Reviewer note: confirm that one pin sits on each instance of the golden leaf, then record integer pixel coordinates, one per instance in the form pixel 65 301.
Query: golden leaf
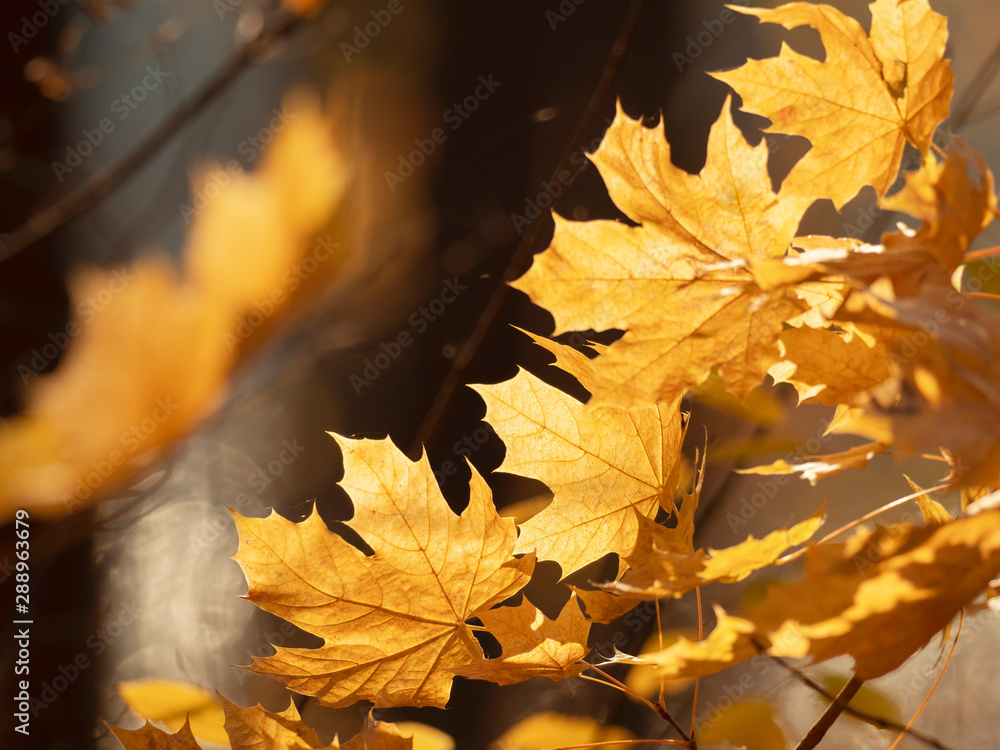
pixel 607 467
pixel 256 728
pixel 818 467
pixel 149 737
pixel 671 573
pixel 679 284
pixel 533 645
pixel 879 597
pixel 730 642
pixel 859 105
pixel 379 735
pixel 176 704
pixel 393 624
pixel 829 367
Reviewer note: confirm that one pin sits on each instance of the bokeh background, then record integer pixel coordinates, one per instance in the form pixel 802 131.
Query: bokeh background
pixel 142 584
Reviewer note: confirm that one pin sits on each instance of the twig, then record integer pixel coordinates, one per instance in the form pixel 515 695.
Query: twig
pixel 697 681
pixel 662 712
pixel 465 357
pixel 878 721
pixel 77 201
pixel 835 709
pixel 858 521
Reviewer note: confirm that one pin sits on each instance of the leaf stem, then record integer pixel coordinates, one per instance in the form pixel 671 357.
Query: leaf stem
pixel 697 682
pixel 934 687
pixel 662 712
pixel 659 643
pixel 986 252
pixel 985 295
pixel 835 709
pixel 866 517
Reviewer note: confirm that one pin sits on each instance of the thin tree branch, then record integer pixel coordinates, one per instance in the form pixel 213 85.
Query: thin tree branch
pixel 662 712
pixel 834 710
pixel 79 200
pixel 486 321
pixel 878 721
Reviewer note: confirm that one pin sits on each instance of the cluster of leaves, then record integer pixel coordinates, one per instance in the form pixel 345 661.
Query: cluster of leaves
pixel 708 280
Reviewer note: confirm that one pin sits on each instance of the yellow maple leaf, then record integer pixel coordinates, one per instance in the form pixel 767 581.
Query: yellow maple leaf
pixel 946 364
pixel 729 642
pixel 830 367
pixel 607 467
pixel 176 704
pixel 954 209
pixel 678 284
pixel 818 467
pixel 256 728
pixel 879 597
pixel 533 645
pixel 380 735
pixel 148 737
pixel 393 624
pixel 859 105
pixel 673 573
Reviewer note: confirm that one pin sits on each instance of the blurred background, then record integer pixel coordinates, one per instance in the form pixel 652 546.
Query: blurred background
pixel 141 584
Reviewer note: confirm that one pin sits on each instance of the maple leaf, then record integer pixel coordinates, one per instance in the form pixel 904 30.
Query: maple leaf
pixel 149 737
pixel 393 624
pixel 729 642
pixel 533 645
pixel 256 728
pixel 830 367
pixel 175 704
pixel 818 467
pixel 878 597
pixel 954 209
pixel 678 284
pixel 605 604
pixel 379 735
pixel 858 106
pixel 949 401
pixel 174 337
pixel 607 467
pixel 673 573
